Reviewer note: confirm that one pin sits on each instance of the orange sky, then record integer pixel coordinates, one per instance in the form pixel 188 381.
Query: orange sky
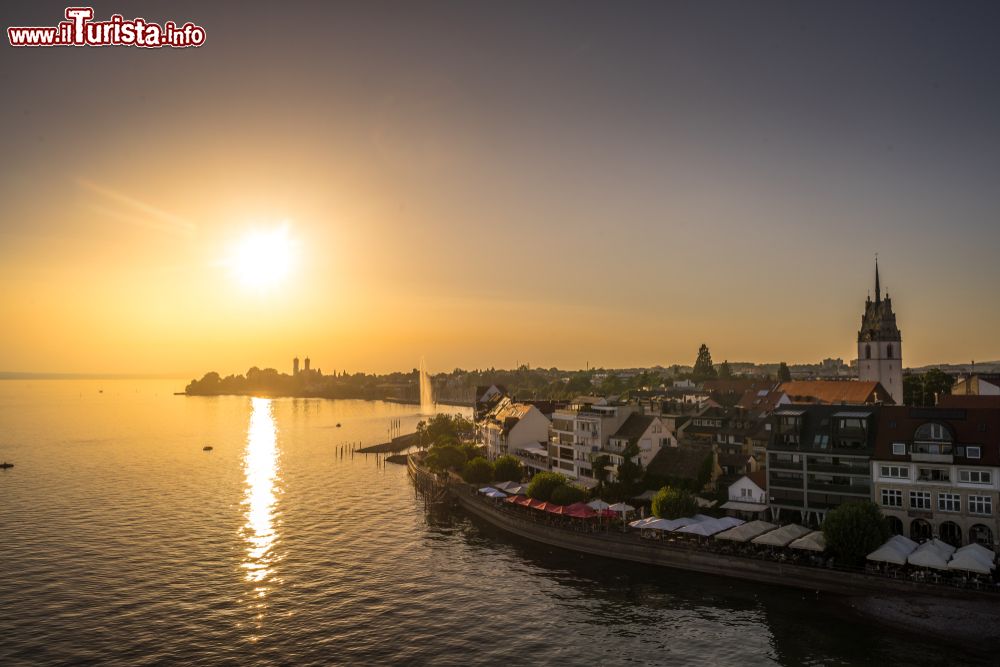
pixel 478 211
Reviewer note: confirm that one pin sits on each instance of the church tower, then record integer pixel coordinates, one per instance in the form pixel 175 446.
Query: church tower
pixel 880 347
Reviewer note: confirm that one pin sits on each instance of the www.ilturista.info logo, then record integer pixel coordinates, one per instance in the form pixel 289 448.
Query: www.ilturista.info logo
pixel 79 30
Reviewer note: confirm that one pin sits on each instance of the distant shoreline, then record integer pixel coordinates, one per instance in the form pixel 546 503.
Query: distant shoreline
pixel 402 401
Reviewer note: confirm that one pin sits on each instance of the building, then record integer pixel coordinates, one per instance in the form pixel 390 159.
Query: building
pixel 977 385
pixel 835 392
pixel 819 457
pixel 295 366
pixel 748 496
pixel 510 425
pixel 580 431
pixel 647 434
pixel 937 473
pixel 880 348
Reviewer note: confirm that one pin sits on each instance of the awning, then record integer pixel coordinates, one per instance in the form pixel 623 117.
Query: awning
pixel 743 507
pixel 894 551
pixel 973 558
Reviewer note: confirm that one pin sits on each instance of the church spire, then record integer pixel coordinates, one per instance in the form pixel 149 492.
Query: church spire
pixel 878 288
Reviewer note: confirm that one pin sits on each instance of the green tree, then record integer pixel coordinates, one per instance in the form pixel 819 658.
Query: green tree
pixel 937 383
pixel 445 457
pixel 600 466
pixel 725 371
pixel 784 374
pixel 703 368
pixel 567 494
pixel 478 471
pixel 671 503
pixel 630 471
pixel 854 530
pixel 543 484
pixel 508 468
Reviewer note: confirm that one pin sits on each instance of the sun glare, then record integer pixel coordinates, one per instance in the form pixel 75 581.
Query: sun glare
pixel 262 259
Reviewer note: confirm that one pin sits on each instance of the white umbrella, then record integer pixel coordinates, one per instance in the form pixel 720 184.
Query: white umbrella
pixel 487 490
pixel 621 507
pixel 517 490
pixel 782 536
pixel 639 523
pixel 746 532
pixel 703 528
pixel 503 486
pixel 814 541
pixel 981 552
pixel 929 554
pixel 893 551
pixel 598 505
pixel 970 561
pixel 496 494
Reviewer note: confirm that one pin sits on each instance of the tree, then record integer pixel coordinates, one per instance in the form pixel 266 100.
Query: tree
pixel 937 383
pixel 478 471
pixel 725 371
pixel 567 494
pixel 629 471
pixel 854 530
pixel 444 457
pixel 784 374
pixel 703 368
pixel 543 484
pixel 508 468
pixel 600 467
pixel 671 503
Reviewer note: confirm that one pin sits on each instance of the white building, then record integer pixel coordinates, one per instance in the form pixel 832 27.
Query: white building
pixel 748 495
pixel 580 431
pixel 509 426
pixel 647 433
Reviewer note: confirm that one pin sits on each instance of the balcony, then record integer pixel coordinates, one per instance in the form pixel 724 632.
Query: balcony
pixel 856 471
pixel 843 489
pixel 931 452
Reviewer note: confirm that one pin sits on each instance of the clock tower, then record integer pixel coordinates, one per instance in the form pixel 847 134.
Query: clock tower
pixel 880 347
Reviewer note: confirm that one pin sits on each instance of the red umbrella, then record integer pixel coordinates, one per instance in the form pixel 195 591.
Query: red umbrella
pixel 536 504
pixel 513 499
pixel 525 500
pixel 555 509
pixel 582 513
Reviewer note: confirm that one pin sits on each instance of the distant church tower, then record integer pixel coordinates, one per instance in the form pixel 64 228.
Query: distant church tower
pixel 880 347
pixel 295 366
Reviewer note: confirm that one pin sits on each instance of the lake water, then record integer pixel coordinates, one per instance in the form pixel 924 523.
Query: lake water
pixel 121 541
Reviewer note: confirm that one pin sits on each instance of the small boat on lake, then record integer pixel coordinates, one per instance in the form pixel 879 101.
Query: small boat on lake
pixel 5 465
pixel 207 448
pixel 338 424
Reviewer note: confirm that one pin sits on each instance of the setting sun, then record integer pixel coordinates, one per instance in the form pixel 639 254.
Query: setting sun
pixel 262 259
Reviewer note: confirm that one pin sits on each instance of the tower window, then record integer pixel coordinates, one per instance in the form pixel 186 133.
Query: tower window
pixel 888 351
pixel 868 351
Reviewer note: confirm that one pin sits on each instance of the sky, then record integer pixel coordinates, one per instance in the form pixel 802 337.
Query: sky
pixel 491 184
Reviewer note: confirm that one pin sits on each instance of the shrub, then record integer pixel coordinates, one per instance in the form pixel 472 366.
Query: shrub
pixel 567 494
pixel 543 484
pixel 671 503
pixel 508 468
pixel 854 530
pixel 478 471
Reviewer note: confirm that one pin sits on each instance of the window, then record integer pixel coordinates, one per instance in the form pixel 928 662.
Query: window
pixel 821 441
pixel 981 505
pixel 888 351
pixel 933 475
pixel 896 472
pixel 746 493
pixel 868 351
pixel 972 452
pixel 949 502
pixel 892 498
pixel 899 449
pixel 975 476
pixel 920 500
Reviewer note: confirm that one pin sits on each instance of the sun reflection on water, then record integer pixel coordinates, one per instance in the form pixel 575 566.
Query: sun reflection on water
pixel 260 466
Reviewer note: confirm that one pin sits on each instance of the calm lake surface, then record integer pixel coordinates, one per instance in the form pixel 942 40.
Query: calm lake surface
pixel 123 542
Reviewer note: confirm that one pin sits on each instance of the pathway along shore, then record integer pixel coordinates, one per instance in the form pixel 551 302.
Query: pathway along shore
pixel 629 546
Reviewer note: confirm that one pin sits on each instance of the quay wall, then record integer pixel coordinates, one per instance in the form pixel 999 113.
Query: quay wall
pixel 654 552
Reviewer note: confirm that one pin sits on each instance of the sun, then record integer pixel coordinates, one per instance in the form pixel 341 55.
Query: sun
pixel 262 259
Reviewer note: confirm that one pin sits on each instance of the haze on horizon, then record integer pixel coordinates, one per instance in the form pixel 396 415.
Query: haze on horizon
pixel 486 185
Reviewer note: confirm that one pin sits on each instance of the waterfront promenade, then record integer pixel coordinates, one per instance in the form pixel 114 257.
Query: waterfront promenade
pixel 685 554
